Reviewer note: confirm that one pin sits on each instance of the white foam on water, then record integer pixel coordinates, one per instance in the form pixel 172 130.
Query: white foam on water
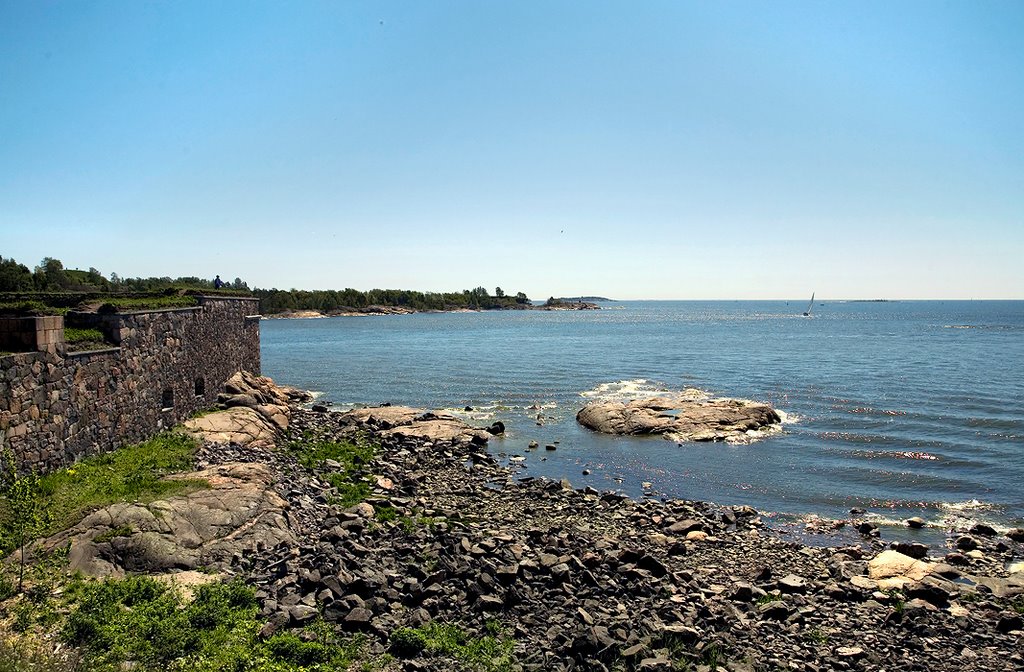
pixel 479 413
pixel 969 505
pixel 789 418
pixel 752 435
pixel 954 516
pixel 962 516
pixel 637 388
pixel 885 521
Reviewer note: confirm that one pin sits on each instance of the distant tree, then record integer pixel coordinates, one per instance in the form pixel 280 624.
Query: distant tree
pixel 522 298
pixel 50 275
pixel 14 277
pixel 499 293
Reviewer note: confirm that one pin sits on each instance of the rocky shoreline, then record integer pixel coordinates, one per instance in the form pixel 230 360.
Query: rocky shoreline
pixel 580 579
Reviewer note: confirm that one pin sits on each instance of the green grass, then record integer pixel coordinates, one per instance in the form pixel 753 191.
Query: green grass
pixel 22 655
pixel 114 532
pixel 769 597
pixel 487 653
pixel 29 308
pixel 411 523
pixel 130 474
pixel 127 304
pixel 76 335
pixel 312 452
pixel 816 636
pixel 146 624
pixel 84 339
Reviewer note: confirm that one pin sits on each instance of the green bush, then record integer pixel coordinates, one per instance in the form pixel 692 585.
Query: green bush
pixel 140 622
pixel 487 653
pixel 288 648
pixel 408 642
pixel 140 619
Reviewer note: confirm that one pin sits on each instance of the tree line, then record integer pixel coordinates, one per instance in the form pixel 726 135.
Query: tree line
pixel 278 301
pixel 51 276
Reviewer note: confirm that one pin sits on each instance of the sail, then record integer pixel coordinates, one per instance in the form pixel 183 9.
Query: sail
pixel 810 305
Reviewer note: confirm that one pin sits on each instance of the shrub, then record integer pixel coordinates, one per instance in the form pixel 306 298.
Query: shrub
pixel 488 653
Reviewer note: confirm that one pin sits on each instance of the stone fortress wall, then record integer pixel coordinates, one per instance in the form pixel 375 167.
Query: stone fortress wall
pixel 58 406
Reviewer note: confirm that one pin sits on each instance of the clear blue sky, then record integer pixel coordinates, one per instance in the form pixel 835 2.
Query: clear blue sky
pixel 629 149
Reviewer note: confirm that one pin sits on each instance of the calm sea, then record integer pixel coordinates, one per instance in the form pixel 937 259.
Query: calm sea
pixel 901 408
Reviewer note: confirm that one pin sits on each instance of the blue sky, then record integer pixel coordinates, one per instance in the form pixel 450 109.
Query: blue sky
pixel 629 149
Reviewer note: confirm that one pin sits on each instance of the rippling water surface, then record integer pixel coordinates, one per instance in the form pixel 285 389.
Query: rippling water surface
pixel 903 408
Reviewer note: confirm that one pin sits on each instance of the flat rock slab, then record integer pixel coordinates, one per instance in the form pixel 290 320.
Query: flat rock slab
pixel 241 425
pixel 238 511
pixel 688 416
pixel 413 423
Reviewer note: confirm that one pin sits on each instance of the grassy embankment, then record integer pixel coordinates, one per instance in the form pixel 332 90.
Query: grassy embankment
pixel 64 623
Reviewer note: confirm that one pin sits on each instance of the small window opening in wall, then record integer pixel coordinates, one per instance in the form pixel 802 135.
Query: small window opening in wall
pixel 200 387
pixel 167 400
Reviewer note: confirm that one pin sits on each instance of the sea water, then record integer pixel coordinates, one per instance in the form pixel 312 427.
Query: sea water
pixel 900 408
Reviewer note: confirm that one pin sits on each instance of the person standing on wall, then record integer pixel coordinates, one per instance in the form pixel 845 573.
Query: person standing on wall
pixel 218 283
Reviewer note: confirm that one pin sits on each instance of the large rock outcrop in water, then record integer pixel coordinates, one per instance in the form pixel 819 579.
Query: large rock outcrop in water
pixel 689 416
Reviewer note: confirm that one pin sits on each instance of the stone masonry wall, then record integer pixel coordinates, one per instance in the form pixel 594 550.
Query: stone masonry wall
pixel 57 407
pixel 31 333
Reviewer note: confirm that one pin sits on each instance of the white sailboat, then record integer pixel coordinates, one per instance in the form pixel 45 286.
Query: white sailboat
pixel 807 313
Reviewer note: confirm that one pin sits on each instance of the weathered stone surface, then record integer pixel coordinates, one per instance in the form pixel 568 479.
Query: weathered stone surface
pixel 412 423
pixel 236 513
pixel 688 416
pixel 893 564
pixel 239 425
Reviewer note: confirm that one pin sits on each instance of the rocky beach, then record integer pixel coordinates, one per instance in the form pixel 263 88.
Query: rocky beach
pixel 574 579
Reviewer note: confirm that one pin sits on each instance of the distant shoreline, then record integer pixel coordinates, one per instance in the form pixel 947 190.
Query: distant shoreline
pixel 370 311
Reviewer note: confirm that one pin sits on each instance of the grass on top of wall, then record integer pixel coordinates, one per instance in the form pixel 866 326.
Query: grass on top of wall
pixel 129 474
pixel 128 304
pixel 29 308
pixel 84 339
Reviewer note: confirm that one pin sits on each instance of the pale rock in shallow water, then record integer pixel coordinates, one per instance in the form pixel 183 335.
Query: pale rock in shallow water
pixel 688 416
